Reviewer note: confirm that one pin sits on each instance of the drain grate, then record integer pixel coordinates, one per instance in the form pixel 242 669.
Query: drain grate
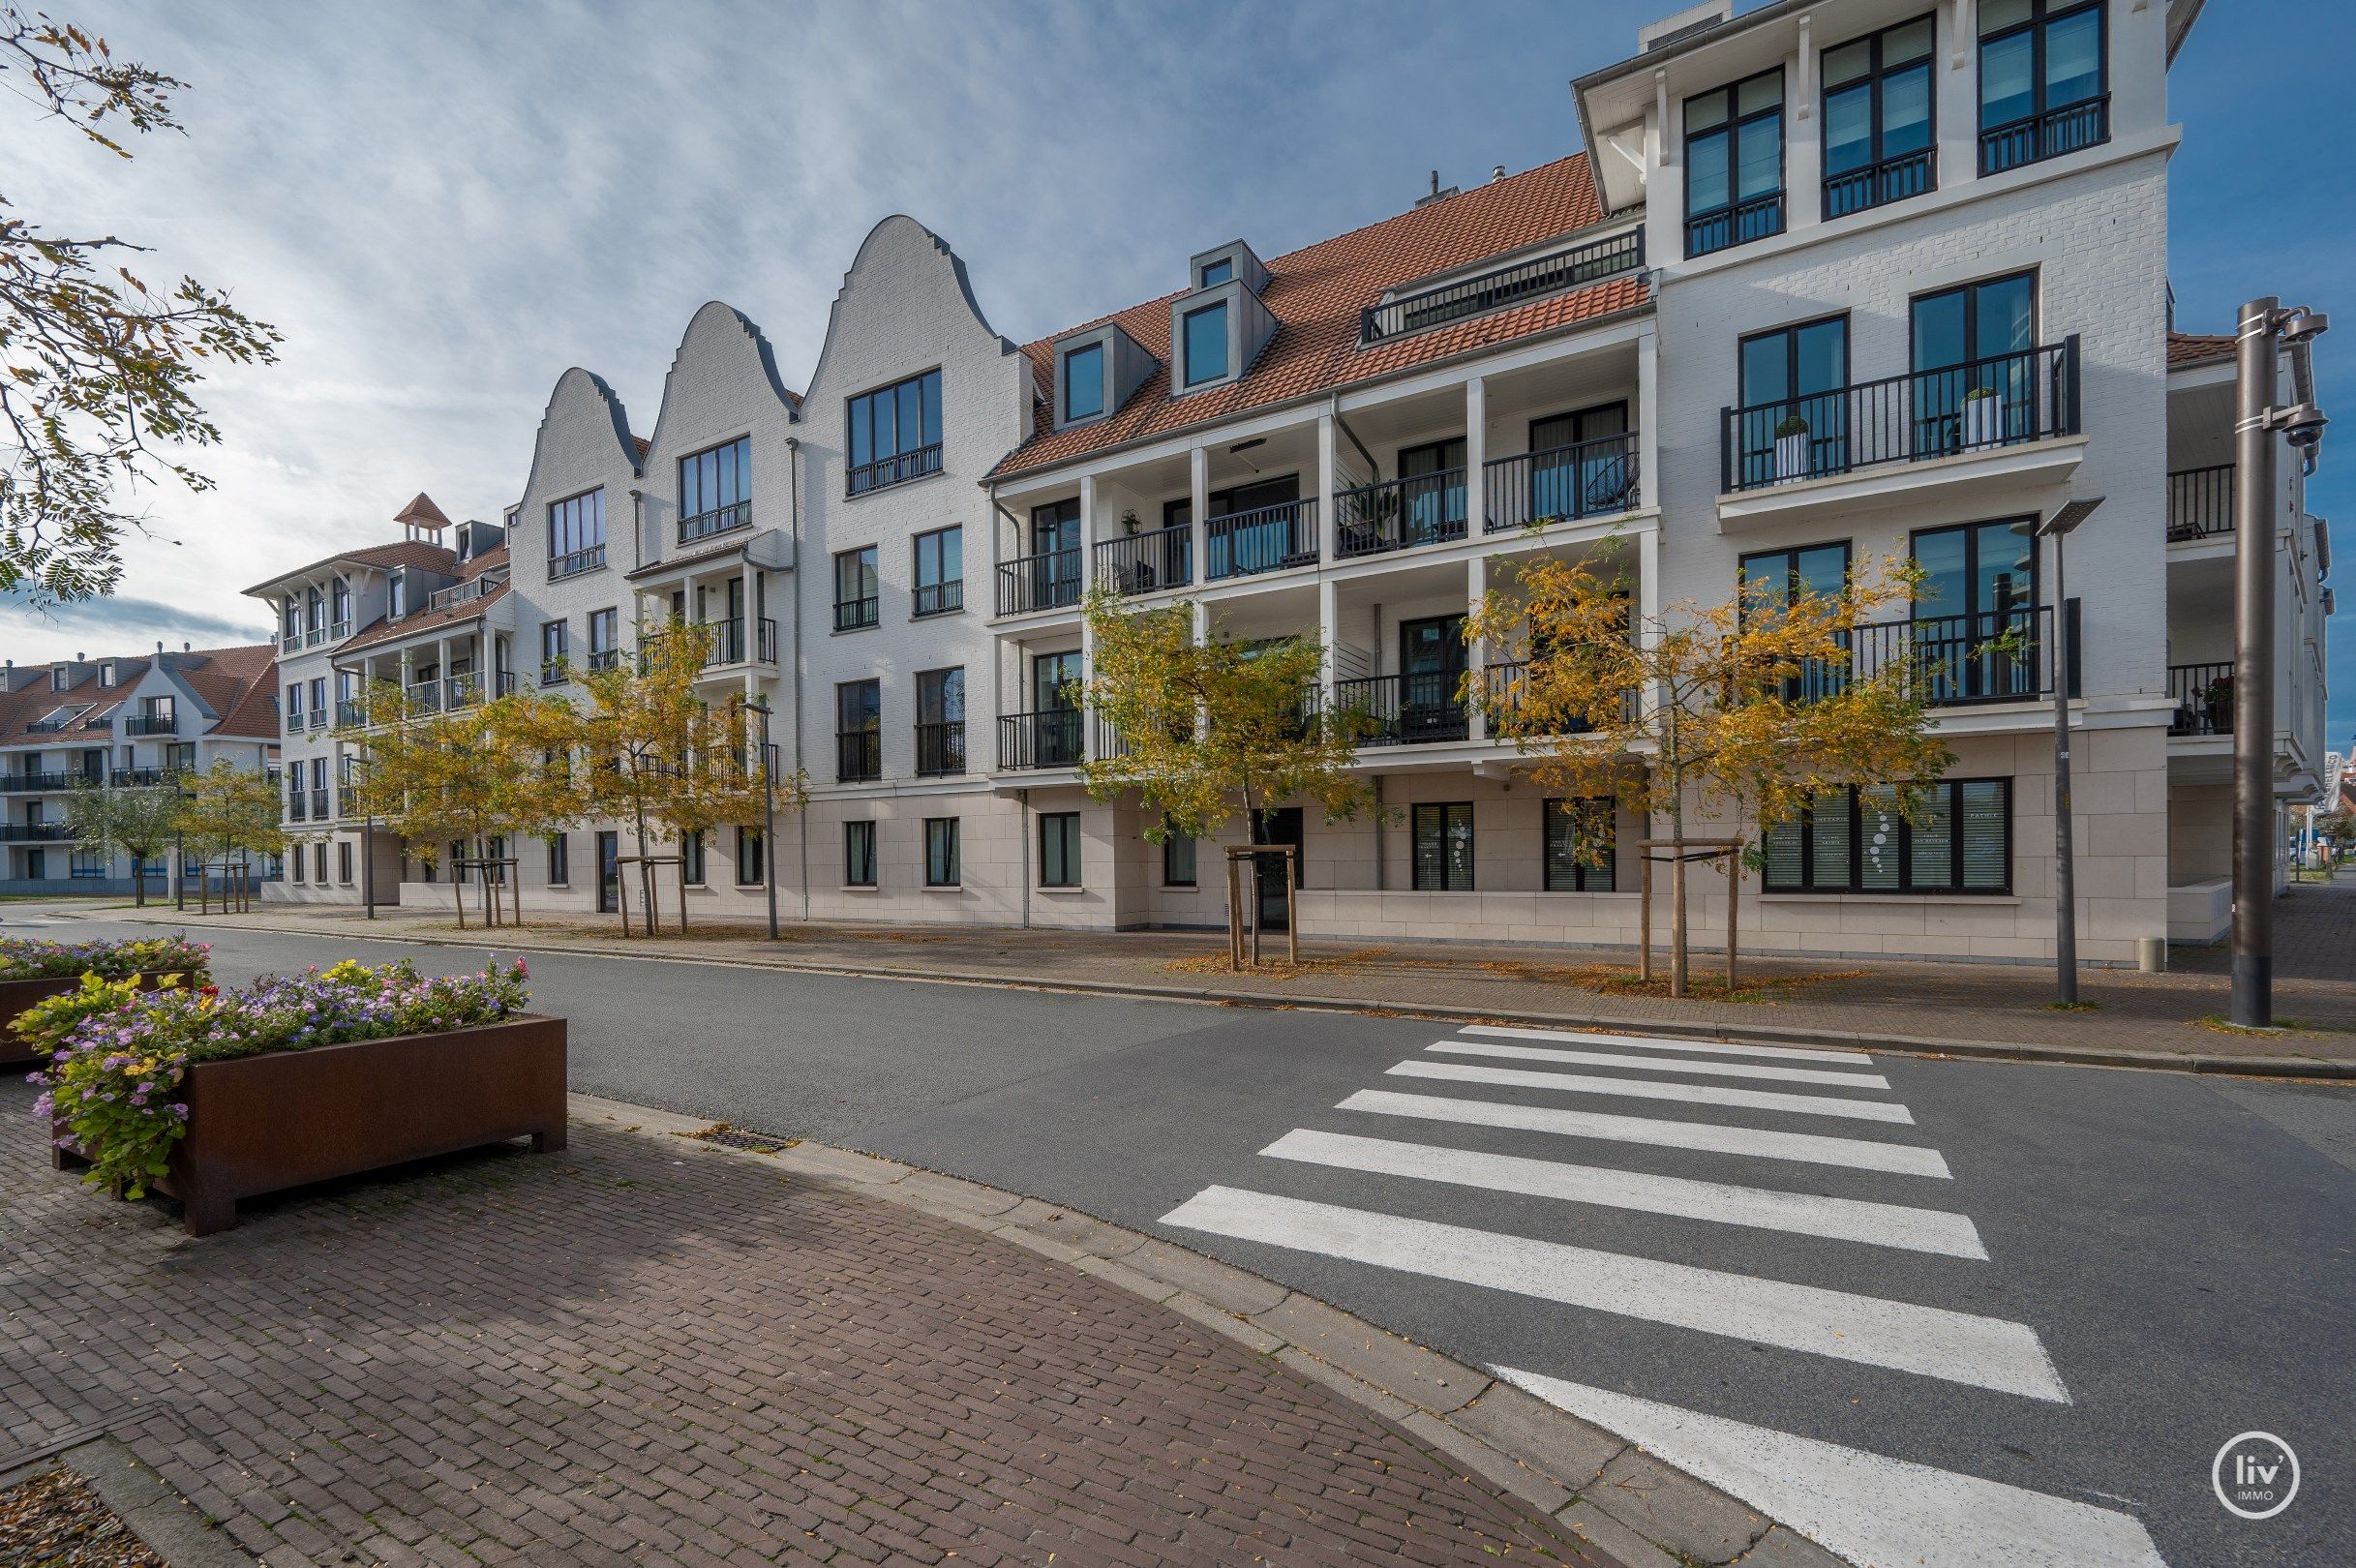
pixel 746 1137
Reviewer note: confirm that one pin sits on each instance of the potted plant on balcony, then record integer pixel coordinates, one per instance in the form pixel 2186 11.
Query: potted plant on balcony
pixel 2216 704
pixel 1984 417
pixel 1791 449
pixel 1128 521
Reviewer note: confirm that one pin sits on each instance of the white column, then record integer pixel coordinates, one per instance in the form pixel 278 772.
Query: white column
pixel 748 628
pixel 1329 505
pixel 1198 480
pixel 1476 453
pixel 1648 600
pixel 1649 416
pixel 1088 746
pixel 1957 99
pixel 1804 157
pixel 1664 181
pixel 1329 635
pixel 1476 653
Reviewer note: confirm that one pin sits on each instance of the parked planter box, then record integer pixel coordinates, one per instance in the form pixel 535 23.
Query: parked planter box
pixel 17 995
pixel 263 1123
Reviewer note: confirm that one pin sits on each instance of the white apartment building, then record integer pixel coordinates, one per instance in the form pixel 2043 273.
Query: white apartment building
pixel 1836 282
pixel 118 721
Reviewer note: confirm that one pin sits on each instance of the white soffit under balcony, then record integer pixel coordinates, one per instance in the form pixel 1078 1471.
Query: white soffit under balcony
pixel 2003 472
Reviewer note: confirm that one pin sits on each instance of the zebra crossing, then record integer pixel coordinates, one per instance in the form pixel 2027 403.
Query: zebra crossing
pixel 1567 1117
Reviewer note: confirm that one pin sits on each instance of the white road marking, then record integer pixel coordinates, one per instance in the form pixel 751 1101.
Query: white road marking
pixel 1664 1043
pixel 1660 1063
pixel 1880 1225
pixel 1692 1094
pixel 1931 1342
pixel 1809 1148
pixel 1864 1506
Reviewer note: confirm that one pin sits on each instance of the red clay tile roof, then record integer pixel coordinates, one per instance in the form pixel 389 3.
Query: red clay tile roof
pixel 452 615
pixel 423 510
pixel 493 557
pixel 1316 295
pixel 399 553
pixel 2188 348
pixel 229 680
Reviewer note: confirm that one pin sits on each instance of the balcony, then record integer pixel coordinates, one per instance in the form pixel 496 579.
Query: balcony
pixel 128 778
pixel 1987 421
pixel 350 712
pixel 41 781
pixel 151 724
pixel 2051 135
pixel 2203 694
pixel 1561 484
pixel 1759 217
pixel 1990 656
pixel 290 643
pixel 32 832
pixel 314 636
pixel 1503 286
pixel 1147 562
pixel 859 756
pixel 728 643
pixel 719 520
pixel 465 592
pixel 1264 539
pixel 426 696
pixel 1405 710
pixel 1048 739
pixel 1877 185
pixel 1504 684
pixel 340 630
pixel 941 749
pixel 295 806
pixel 884 472
pixel 1045 582
pixel 319 806
pixel 576 563
pixel 1400 514
pixel 2200 503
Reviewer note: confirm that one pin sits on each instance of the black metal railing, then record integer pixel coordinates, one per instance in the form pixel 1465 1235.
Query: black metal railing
pixel 123 779
pixel 719 520
pixel 858 755
pixel 462 691
pixel 340 629
pixel 290 642
pixel 350 712
pixel 32 832
pixel 2051 135
pixel 1405 709
pixel 318 718
pixel 54 726
pixel 2203 694
pixel 151 724
pixel 604 658
pixel 937 598
pixel 1400 514
pixel 39 781
pixel 851 615
pixel 456 593
pixel 2200 502
pixel 1048 739
pixel 1990 656
pixel 1503 685
pixel 1043 582
pixel 576 563
pixel 1876 184
pixel 1264 539
pixel 294 805
pixel 1562 483
pixel 893 470
pixel 1147 562
pixel 426 694
pixel 1756 219
pixel 319 806
pixel 941 749
pixel 1500 286
pixel 1979 406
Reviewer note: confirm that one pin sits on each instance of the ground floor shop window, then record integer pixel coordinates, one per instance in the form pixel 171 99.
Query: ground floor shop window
pixel 1860 840
pixel 1444 846
pixel 1581 847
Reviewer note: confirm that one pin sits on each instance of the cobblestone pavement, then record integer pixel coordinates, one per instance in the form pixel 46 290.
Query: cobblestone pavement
pixel 2315 944
pixel 636 1352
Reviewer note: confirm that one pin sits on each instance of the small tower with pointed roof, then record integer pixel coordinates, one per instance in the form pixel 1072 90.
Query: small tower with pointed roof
pixel 421 520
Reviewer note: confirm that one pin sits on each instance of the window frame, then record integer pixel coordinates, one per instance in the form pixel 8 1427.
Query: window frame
pixel 879 470
pixel 1190 381
pixel 937 832
pixel 553 668
pixel 749 845
pixel 559 860
pixel 2042 15
pixel 1193 861
pixel 739 512
pixel 1877 73
pixel 1584 878
pixel 1732 126
pixel 869 731
pixel 694 859
pixel 1906 886
pixel 569 519
pixel 860 854
pixel 1070 844
pixel 1063 382
pixel 866 611
pixel 1444 812
pixel 947 593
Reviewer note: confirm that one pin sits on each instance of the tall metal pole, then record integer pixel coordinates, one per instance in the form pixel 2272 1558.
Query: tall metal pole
pixel 2253 509
pixel 2065 863
pixel 769 819
pixel 368 863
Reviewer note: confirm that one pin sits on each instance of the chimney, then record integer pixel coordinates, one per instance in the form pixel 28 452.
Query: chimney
pixel 1437 195
pixel 1498 174
pixel 186 647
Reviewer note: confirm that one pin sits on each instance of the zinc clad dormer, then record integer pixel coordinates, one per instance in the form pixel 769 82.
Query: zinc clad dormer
pixel 1219 326
pixel 1096 371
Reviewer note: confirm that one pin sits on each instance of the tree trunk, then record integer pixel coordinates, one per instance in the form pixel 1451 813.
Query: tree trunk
pixel 1734 909
pixel 1677 913
pixel 138 882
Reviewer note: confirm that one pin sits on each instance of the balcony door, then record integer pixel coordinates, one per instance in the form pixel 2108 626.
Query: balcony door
pixel 1431 492
pixel 1280 826
pixel 1431 671
pixel 1796 380
pixel 1771 579
pixel 1974 363
pixel 1571 474
pixel 1976 618
pixel 1052 677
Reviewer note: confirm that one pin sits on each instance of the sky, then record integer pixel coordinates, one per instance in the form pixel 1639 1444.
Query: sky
pixel 443 206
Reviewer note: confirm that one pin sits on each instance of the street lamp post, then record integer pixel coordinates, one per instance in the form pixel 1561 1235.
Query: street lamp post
pixel 2258 420
pixel 2057 527
pixel 768 816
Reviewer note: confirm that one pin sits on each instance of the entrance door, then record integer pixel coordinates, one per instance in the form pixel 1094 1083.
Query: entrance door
pixel 609 872
pixel 1431 669
pixel 1282 826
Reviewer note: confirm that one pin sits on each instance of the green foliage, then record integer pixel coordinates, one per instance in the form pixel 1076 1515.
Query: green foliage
pixel 138 821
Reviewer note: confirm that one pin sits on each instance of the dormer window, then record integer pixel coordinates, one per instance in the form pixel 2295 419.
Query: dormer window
pixel 105 674
pixel 1218 328
pixel 1206 345
pixel 1083 382
pixel 1215 273
pixel 1096 372
pixel 397 595
pixel 1733 163
pixel 57 678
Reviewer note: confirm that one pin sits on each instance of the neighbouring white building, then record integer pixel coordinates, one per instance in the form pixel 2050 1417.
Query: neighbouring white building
pixel 1836 282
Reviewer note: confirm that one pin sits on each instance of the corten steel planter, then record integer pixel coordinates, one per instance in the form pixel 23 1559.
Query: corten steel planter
pixel 263 1123
pixel 17 995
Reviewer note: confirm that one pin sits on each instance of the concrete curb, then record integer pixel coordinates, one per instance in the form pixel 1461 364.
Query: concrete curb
pixel 1734 1034
pixel 161 1519
pixel 1599 1487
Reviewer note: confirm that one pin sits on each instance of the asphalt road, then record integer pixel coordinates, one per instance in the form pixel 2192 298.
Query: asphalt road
pixel 1956 1311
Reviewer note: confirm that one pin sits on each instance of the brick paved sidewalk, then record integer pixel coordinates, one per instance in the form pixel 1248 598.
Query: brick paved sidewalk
pixel 637 1352
pixel 1924 1002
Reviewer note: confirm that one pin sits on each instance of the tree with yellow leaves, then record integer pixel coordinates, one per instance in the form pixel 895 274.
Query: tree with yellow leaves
pixel 1204 729
pixel 1743 711
pixel 227 811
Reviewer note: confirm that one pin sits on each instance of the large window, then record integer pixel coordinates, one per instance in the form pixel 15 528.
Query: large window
pixel 715 490
pixel 1977 627
pixel 1206 344
pixel 1444 846
pixel 859 853
pixel 896 434
pixel 943 867
pixel 576 534
pixel 1084 382
pixel 1860 840
pixel 858 590
pixel 859 730
pixel 1778 576
pixel 1978 375
pixel 554 642
pixel 1734 164
pixel 939 722
pixel 1059 849
pixel 940 580
pixel 1794 418
pixel 604 638
pixel 1879 145
pixel 2041 80
pixel 1580 846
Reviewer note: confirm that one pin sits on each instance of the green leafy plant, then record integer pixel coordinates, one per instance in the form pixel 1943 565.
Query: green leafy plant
pixel 1791 425
pixel 24 959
